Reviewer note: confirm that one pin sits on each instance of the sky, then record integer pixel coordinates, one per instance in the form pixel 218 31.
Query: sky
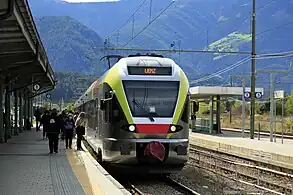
pixel 89 1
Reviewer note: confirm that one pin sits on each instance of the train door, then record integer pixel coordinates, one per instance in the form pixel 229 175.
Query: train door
pixel 101 111
pixel 96 118
pixel 105 113
pixel 108 112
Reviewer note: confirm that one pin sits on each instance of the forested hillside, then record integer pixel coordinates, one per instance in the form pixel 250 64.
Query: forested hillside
pixel 71 45
pixel 71 85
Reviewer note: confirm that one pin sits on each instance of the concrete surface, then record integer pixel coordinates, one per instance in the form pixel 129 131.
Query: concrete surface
pixel 263 150
pixel 27 168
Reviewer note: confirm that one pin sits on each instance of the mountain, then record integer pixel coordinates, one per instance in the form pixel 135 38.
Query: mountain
pixel 71 85
pixel 71 45
pixel 74 52
pixel 192 24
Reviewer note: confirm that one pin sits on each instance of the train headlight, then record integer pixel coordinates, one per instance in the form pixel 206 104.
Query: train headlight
pixel 131 128
pixel 173 128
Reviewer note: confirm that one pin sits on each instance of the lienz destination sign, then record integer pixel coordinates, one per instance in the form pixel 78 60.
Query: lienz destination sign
pixel 167 71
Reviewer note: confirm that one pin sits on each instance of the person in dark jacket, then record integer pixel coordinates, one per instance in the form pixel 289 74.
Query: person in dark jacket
pixel 38 118
pixel 62 117
pixel 53 131
pixel 69 126
pixel 45 122
pixel 80 124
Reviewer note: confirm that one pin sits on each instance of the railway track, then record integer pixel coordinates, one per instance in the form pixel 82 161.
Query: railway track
pixel 246 172
pixel 262 133
pixel 167 186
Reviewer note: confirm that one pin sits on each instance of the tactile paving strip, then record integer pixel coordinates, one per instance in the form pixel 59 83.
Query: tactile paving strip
pixel 63 178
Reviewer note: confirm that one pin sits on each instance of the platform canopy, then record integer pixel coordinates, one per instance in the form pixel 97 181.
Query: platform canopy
pixel 208 91
pixel 24 62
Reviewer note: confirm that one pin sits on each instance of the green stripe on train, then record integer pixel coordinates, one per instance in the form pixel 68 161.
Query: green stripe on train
pixel 113 79
pixel 183 90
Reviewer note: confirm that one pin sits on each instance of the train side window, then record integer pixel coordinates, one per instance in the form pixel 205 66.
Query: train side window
pixel 102 105
pixel 107 107
pixel 115 111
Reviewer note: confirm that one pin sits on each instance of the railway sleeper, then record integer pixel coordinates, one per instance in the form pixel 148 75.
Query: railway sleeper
pixel 252 179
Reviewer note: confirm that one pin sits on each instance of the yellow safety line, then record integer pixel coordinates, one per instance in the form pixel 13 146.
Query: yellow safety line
pixel 81 174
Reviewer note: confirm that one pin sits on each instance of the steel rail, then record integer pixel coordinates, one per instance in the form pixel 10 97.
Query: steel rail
pixel 180 186
pixel 244 165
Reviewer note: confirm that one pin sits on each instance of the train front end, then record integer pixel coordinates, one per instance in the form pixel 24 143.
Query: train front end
pixel 156 110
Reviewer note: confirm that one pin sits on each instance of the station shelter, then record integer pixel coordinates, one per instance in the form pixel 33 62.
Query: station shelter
pixel 213 95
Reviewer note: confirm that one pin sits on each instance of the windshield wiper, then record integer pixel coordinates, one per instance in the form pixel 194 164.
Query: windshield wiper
pixel 139 106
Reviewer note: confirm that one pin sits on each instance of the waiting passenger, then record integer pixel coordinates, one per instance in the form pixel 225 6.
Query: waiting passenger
pixel 38 118
pixel 69 129
pixel 62 117
pixel 45 122
pixel 54 131
pixel 75 116
pixel 80 129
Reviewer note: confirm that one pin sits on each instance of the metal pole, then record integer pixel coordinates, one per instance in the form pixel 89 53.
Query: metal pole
pixel 211 114
pixel 258 133
pixel 283 121
pixel 271 105
pixel 243 106
pixel 275 119
pixel 230 112
pixel 252 83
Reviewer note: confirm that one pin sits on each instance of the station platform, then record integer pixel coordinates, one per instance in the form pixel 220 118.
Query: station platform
pixel 27 168
pixel 274 153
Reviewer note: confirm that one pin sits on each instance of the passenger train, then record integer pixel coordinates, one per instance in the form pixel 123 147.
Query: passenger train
pixel 138 114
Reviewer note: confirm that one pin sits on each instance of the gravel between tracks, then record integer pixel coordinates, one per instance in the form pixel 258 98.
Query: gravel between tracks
pixel 205 182
pixel 155 187
pixel 195 178
pixel 249 174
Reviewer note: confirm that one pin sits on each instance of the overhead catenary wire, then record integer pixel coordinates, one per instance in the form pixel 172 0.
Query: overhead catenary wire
pixel 152 21
pixel 263 6
pixel 128 20
pixel 235 65
pixel 180 51
pixel 231 67
pixel 271 29
pixel 284 54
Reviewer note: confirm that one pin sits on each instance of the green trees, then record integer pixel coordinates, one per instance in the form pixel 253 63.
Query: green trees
pixel 70 107
pixel 289 104
pixel 71 85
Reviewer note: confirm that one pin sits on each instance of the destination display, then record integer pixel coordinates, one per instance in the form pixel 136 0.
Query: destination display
pixel 149 70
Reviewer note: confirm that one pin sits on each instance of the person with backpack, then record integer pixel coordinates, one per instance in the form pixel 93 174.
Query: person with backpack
pixel 63 117
pixel 69 126
pixel 45 122
pixel 53 131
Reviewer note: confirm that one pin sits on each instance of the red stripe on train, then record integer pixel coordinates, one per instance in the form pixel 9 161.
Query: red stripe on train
pixel 152 128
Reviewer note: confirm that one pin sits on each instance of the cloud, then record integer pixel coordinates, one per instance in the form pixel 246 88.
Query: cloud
pixel 89 1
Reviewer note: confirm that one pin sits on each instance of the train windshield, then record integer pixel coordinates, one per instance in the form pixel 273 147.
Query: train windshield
pixel 151 98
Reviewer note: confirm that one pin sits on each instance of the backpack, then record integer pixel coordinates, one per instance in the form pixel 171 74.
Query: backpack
pixel 53 124
pixel 69 125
